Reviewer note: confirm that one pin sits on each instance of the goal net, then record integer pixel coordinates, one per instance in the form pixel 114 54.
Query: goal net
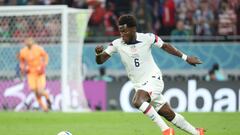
pixel 60 31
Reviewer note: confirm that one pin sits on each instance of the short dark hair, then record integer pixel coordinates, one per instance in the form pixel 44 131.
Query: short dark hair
pixel 127 19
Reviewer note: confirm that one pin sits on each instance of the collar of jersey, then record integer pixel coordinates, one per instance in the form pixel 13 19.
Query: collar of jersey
pixel 133 43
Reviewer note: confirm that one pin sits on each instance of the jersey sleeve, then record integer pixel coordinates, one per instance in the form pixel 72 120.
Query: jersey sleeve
pixel 156 40
pixel 111 49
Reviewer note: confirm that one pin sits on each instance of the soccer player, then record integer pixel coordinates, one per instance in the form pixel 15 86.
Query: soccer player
pixel 135 52
pixel 33 61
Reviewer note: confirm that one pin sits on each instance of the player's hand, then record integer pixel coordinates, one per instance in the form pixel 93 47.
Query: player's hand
pixel 25 70
pixel 22 72
pixel 99 49
pixel 192 60
pixel 41 69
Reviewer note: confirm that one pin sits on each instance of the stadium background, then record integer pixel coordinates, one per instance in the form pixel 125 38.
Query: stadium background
pixel 188 89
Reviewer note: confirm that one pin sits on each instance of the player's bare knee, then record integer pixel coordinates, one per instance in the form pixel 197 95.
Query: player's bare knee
pixel 139 98
pixel 37 94
pixel 137 102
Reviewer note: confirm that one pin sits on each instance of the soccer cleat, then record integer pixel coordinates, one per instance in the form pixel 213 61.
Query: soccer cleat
pixel 169 131
pixel 201 131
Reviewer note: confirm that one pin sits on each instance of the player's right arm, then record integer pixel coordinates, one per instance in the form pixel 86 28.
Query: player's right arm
pixel 22 63
pixel 101 55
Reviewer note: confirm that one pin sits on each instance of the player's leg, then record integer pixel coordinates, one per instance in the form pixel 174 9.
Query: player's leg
pixel 141 101
pixel 177 119
pixel 42 88
pixel 32 82
pixel 41 84
pixel 40 102
pixel 163 109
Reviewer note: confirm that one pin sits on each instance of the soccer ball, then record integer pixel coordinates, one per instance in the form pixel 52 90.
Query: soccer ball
pixel 64 133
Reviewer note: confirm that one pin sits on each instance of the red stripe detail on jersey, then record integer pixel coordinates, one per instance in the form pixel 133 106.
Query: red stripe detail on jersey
pixel 156 38
pixel 148 108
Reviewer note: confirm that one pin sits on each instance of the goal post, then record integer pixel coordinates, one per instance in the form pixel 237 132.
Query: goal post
pixel 60 30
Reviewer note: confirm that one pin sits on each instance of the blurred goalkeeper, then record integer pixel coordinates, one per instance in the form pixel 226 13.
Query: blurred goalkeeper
pixel 33 61
pixel 135 52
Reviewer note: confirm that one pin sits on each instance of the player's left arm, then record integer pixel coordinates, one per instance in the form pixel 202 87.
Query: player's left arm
pixel 192 60
pixel 45 57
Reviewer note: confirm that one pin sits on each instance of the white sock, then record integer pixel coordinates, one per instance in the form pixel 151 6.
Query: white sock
pixel 148 110
pixel 181 123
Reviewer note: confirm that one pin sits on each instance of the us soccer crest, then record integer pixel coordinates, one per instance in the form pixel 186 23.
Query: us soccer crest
pixel 133 49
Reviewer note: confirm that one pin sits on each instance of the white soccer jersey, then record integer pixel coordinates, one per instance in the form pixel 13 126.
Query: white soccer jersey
pixel 137 57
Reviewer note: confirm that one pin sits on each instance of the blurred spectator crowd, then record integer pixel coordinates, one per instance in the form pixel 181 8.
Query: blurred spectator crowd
pixel 178 19
pixel 181 20
pixel 44 28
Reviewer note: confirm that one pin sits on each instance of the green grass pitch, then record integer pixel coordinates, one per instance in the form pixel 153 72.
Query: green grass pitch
pixel 109 123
